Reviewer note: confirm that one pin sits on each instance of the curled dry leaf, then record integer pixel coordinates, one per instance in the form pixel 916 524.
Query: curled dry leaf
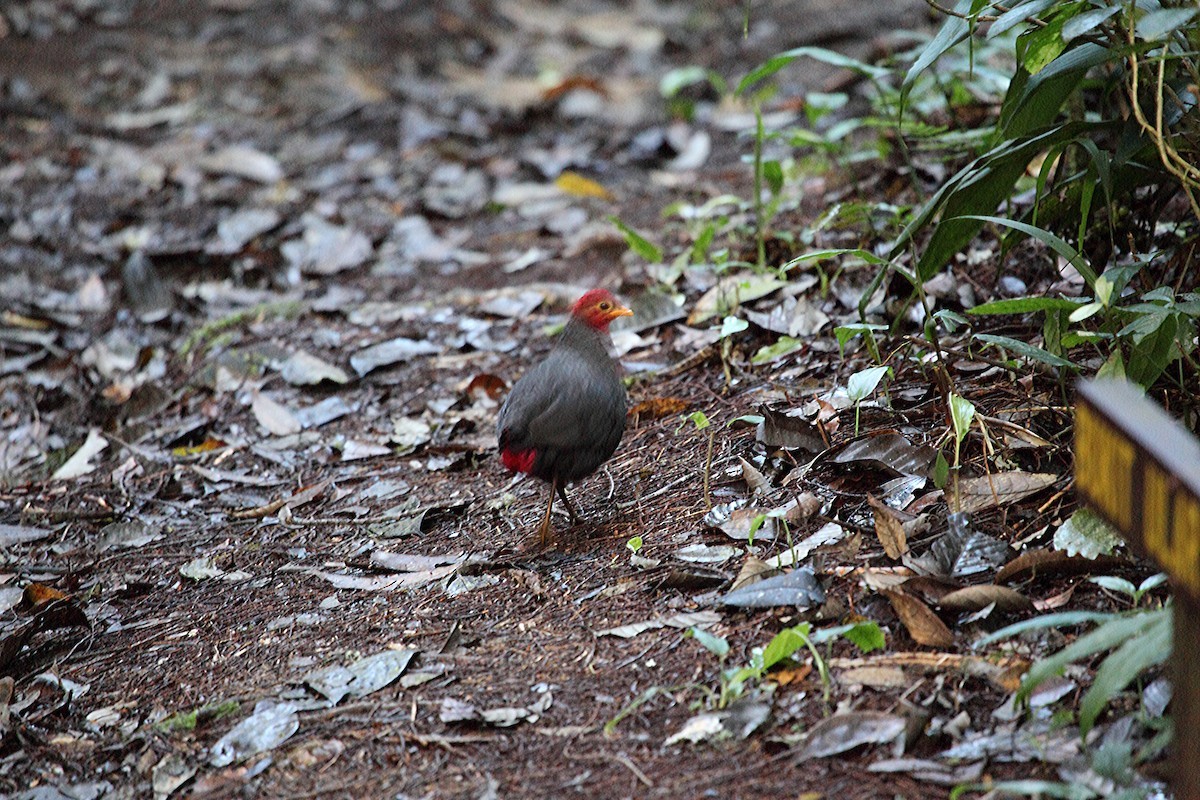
pixel 974 598
pixel 923 625
pixel 658 407
pixel 274 417
pixel 889 529
pixel 986 491
pixel 754 479
pixel 843 732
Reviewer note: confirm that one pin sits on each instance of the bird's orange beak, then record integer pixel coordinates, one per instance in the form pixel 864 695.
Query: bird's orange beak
pixel 619 311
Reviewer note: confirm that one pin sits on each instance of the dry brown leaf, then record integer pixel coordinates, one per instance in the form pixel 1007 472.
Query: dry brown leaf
pixel 922 623
pixel 875 677
pixel 657 407
pixel 974 598
pixel 486 383
pixel 889 529
pixel 790 675
pixel 753 569
pixel 1004 672
pixel 38 593
pixel 976 494
pixel 1044 561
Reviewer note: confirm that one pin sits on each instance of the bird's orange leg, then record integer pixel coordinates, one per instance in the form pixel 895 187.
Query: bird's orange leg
pixel 544 530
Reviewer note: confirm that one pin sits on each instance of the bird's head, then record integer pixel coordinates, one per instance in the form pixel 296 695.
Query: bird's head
pixel 598 308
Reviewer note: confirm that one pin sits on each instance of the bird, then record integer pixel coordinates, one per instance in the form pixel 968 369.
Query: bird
pixel 566 416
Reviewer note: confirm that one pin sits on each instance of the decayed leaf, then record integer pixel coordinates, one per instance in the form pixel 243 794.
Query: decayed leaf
pixel 780 429
pixel 729 293
pixel 658 407
pixel 798 588
pixel 975 598
pixel 244 162
pixel 305 369
pixel 692 619
pixel 390 352
pixel 754 479
pixel 409 434
pixel 1004 673
pixel 388 583
pixel 1043 561
pixel 875 677
pixel 843 732
pixel 975 494
pixel 274 417
pixel 890 451
pixel 889 529
pixel 922 624
pixel 269 726
pixel 80 462
pixel 20 534
pixel 365 676
pixel 706 554
pixel 753 569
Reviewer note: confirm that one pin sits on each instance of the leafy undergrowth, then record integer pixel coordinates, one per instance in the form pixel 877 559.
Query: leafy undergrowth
pixel 261 315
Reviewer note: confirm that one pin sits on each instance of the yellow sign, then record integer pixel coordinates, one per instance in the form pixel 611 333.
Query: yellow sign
pixel 1140 469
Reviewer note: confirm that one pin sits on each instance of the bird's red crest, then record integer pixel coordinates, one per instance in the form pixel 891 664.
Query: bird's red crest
pixel 598 308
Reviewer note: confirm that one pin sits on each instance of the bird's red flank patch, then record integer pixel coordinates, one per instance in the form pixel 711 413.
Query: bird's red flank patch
pixel 518 460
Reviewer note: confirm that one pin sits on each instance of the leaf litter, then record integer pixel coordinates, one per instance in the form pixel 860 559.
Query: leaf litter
pixel 181 369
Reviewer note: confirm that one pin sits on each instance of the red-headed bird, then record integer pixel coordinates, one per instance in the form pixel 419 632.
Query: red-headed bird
pixel 566 416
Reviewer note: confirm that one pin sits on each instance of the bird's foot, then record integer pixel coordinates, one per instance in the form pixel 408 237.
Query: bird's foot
pixel 575 519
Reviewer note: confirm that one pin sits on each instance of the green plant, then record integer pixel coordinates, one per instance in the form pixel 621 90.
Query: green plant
pixel 736 681
pixel 862 385
pixel 1135 641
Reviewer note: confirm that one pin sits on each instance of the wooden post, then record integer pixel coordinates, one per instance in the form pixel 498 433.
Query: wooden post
pixel 1140 470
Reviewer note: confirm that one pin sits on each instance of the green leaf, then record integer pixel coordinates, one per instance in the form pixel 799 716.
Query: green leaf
pixel 638 243
pixel 1034 101
pixel 785 643
pixel 1039 46
pixel 953 30
pixel 634 544
pixel 785 345
pixel 678 79
pixel 714 644
pixel 1162 23
pixel 1115 584
pixel 863 383
pixel 781 60
pixel 730 326
pixel 1087 22
pixel 962 413
pixel 1016 15
pixel 820 255
pixel 699 419
pixel 1025 305
pixel 1062 619
pixel 1050 240
pixel 866 636
pixel 1152 646
pixel 1086 534
pixel 845 333
pixel 941 470
pixel 773 174
pixel 1027 350
pixel 1105 637
pixel 1152 352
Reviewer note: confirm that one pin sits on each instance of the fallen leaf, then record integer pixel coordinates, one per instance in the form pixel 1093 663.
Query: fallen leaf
pixel 274 417
pixel 923 625
pixel 975 598
pixel 80 462
pixel 986 491
pixel 730 292
pixel 269 726
pixel 659 407
pixel 576 185
pixel 889 529
pixel 843 732
pixel 798 588
pixel 305 369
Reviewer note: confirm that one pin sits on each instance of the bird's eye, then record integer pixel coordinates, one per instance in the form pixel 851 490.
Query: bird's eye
pixel 605 306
